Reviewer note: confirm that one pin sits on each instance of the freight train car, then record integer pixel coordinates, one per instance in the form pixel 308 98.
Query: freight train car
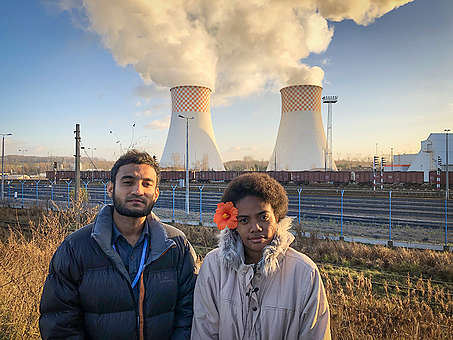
pixel 364 177
pixel 176 175
pixel 284 177
pixel 390 177
pixel 340 177
pixel 443 177
pixel 216 176
pixel 69 175
pixel 298 177
pixel 412 177
pixel 313 177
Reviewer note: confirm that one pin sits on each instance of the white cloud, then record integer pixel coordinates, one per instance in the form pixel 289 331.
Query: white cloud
pixel 144 113
pixel 236 49
pixel 154 110
pixel 69 4
pixel 159 124
pixel 363 12
pixel 326 61
pixel 151 91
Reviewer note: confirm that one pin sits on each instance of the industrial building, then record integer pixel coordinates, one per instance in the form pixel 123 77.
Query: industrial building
pixel 301 141
pixel 432 150
pixel 191 105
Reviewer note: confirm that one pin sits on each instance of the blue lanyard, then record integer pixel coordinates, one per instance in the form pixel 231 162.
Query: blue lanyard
pixel 142 262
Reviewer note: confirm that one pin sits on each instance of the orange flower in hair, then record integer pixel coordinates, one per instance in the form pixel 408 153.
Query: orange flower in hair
pixel 226 216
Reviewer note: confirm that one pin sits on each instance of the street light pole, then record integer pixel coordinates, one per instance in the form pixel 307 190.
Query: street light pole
pixel 446 162
pixel 3 156
pixel 187 161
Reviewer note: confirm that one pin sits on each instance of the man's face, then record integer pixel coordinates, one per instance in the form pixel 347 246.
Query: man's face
pixel 135 190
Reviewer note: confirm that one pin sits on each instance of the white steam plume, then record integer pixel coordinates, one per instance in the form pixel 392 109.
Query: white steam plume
pixel 234 47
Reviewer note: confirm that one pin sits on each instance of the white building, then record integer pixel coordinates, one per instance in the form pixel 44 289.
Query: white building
pixel 401 162
pixel 426 159
pixel 301 141
pixel 193 102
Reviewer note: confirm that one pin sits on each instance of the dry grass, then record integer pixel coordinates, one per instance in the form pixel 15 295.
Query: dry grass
pixel 428 263
pixel 363 306
pixel 418 311
pixel 24 263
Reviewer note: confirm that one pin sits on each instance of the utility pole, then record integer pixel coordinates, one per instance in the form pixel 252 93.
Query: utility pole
pixel 187 161
pixel 23 161
pixel 375 164
pixel 77 163
pixel 391 157
pixel 3 156
pixel 382 172
pixel 446 164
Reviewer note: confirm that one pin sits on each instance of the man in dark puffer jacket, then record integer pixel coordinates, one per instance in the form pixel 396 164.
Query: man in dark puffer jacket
pixel 125 276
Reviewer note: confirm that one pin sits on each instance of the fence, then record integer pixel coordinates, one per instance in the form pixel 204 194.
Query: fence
pixel 385 218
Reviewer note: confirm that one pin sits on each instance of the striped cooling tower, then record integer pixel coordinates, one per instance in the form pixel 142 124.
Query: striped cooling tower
pixel 301 140
pixel 191 101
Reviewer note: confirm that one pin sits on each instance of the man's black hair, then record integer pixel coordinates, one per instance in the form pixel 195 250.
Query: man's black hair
pixel 135 157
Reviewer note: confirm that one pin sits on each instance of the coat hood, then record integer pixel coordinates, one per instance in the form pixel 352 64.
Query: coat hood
pixel 232 249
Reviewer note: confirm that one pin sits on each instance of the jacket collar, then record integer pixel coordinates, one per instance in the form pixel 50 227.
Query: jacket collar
pixel 160 242
pixel 102 234
pixel 232 249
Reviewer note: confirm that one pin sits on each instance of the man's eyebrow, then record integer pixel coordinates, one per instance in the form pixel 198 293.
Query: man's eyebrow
pixel 128 177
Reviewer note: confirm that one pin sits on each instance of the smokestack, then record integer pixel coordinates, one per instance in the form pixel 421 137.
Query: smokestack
pixel 301 141
pixel 191 101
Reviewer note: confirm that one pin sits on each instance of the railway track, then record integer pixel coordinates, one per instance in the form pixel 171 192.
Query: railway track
pixel 318 204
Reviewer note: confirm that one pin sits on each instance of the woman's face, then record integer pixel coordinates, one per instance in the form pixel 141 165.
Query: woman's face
pixel 256 226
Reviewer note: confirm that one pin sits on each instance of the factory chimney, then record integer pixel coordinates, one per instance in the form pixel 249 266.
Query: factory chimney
pixel 191 101
pixel 301 141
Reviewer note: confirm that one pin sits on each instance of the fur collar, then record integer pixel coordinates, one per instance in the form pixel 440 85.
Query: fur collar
pixel 232 250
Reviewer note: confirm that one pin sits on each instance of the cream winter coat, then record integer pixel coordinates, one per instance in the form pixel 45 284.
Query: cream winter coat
pixel 281 297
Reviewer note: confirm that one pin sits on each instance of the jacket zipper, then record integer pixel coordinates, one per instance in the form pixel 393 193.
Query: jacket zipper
pixel 143 273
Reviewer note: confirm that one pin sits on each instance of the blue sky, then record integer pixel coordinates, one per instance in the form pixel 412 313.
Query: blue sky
pixel 393 79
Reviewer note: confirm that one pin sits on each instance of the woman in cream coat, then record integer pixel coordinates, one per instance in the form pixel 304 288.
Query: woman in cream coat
pixel 254 285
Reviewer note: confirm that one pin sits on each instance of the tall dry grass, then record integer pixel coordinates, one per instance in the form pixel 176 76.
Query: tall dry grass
pixel 24 263
pixel 361 307
pixel 417 311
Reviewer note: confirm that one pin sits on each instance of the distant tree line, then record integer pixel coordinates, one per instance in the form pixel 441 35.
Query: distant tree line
pixel 33 165
pixel 247 163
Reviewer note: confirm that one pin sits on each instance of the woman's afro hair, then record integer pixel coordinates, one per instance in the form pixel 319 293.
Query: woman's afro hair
pixel 259 185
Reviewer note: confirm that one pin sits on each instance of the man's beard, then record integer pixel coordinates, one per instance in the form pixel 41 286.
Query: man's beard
pixel 121 208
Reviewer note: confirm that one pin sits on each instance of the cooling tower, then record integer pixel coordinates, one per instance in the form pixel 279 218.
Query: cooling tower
pixel 191 101
pixel 301 141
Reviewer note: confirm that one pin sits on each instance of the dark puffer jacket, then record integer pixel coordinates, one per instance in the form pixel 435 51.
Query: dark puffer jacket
pixel 88 294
